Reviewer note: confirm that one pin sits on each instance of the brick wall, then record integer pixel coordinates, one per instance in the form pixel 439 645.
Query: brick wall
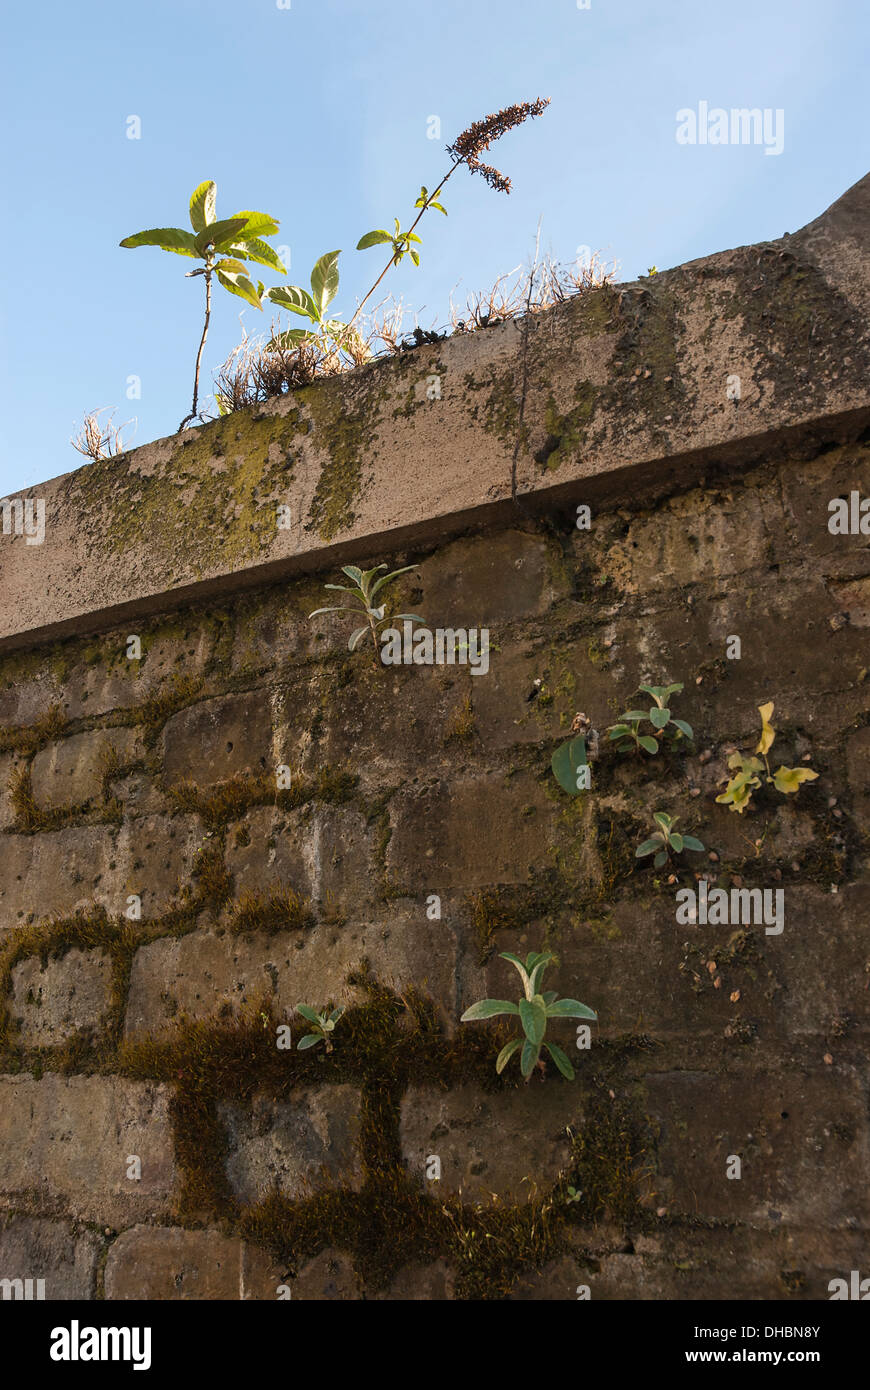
pixel 166 901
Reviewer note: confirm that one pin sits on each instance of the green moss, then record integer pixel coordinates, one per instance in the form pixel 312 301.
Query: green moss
pixel 210 493
pixel 567 433
pixel 344 425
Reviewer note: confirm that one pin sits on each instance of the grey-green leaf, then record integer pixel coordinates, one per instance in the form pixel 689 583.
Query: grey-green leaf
pixel 533 1017
pixel 488 1008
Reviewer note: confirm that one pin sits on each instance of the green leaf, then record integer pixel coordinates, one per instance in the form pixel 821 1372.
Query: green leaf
pixel 288 339
pixel 415 258
pixel 356 637
pixel 231 267
pixel 788 779
pixel 253 249
pixel 648 744
pixel 167 238
pixel 635 715
pixel 550 997
pixel 506 1053
pixel 540 965
pixel 677 843
pixel 203 205
pixel 354 573
pixel 659 717
pixel 660 859
pixel 317 612
pixel 528 1058
pixel 684 728
pixel 689 842
pixel 533 1017
pixel 648 846
pixel 663 819
pixel 295 299
pixel 218 233
pixel 388 578
pixel 561 1060
pixel 373 239
pixel 307 1012
pixel 256 224
pixel 566 762
pixel 308 1041
pixel 570 1008
pixel 324 281
pixel 240 285
pixel 618 731
pixel 336 1014
pixel 488 1008
pixel 515 961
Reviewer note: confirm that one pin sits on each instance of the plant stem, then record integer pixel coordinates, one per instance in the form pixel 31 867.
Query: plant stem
pixel 193 409
pixel 392 259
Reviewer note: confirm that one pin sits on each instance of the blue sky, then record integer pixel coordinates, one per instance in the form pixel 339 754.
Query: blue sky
pixel 317 114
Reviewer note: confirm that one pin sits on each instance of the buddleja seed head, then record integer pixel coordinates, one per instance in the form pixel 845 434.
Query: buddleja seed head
pixel 468 147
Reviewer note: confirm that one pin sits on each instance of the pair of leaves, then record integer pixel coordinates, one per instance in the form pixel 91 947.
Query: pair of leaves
pixel 324 1024
pixel 399 240
pixel 310 305
pixel 665 839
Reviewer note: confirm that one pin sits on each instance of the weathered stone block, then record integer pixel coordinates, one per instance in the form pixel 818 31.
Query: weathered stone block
pixel 71 770
pixel 56 1251
pixel 154 857
pixel 330 1276
pixel 294 1146
pixel 858 771
pixel 169 1263
pixel 205 974
pixel 481 582
pixel 325 853
pixel 490 1143
pixel 66 994
pixel 54 873
pixel 219 738
pixel 469 832
pixel 802 1138
pixel 71 1139
pixel 433 1282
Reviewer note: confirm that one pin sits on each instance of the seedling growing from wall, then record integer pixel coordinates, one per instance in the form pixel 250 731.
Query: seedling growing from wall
pixel 534 1012
pixel 223 247
pixel 628 734
pixel 738 792
pixel 364 589
pixel 324 1026
pixel 666 841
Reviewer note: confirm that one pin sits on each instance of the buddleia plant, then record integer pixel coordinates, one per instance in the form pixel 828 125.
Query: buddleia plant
pixel 224 246
pixel 534 1011
pixel 363 590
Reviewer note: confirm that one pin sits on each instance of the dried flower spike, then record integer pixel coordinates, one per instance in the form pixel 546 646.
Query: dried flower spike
pixel 468 147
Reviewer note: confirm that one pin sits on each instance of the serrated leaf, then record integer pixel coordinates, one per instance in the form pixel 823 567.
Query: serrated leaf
pixel 253 249
pixel 488 1008
pixel 561 1060
pixel 257 224
pixel 203 205
pixel 174 239
pixel 220 235
pixel 324 281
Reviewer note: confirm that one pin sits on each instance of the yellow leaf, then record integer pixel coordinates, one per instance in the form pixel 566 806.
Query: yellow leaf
pixel 788 779
pixel 768 733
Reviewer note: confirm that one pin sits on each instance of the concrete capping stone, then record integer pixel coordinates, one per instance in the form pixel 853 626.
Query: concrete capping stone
pixel 625 393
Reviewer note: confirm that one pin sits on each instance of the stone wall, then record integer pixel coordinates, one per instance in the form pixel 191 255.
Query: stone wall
pixel 244 816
